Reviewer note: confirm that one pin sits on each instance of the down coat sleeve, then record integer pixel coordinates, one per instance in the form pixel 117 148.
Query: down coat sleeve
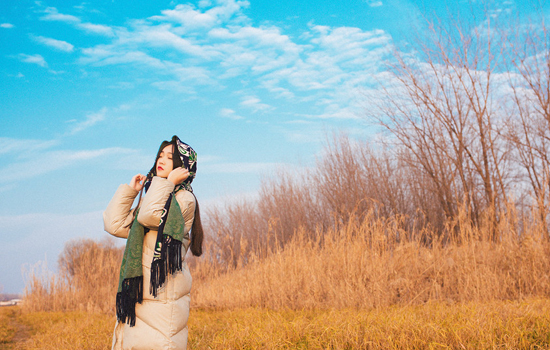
pixel 153 202
pixel 118 215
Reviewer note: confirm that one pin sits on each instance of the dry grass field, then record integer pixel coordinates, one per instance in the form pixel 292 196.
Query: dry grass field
pixel 358 288
pixel 363 265
pixel 434 325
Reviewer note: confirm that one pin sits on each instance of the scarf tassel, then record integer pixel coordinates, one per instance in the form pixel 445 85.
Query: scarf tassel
pixel 169 262
pixel 132 293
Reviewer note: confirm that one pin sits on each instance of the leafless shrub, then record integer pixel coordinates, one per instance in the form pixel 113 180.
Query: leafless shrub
pixel 87 279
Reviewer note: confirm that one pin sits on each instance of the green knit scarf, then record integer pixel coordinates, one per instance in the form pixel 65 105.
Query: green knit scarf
pixel 167 259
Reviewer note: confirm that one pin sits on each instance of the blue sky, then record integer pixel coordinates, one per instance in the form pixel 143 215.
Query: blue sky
pixel 90 89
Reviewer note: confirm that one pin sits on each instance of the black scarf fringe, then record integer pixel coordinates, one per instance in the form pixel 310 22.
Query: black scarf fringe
pixel 170 261
pixel 132 293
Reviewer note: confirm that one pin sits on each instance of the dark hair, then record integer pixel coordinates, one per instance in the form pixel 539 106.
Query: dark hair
pixel 196 229
pixel 176 159
pixel 196 232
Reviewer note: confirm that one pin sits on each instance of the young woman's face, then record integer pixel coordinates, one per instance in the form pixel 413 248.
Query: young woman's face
pixel 165 164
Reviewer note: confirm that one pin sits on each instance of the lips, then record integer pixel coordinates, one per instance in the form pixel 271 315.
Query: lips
pixel 160 168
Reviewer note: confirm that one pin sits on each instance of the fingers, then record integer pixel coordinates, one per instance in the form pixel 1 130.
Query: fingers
pixel 184 173
pixel 178 175
pixel 180 171
pixel 136 181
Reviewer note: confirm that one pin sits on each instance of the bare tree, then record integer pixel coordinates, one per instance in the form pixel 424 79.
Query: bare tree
pixel 528 125
pixel 440 106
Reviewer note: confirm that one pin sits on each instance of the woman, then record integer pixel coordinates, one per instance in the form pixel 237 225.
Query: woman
pixel 154 284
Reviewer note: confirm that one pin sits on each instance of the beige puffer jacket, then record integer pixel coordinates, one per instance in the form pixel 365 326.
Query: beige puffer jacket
pixel 161 322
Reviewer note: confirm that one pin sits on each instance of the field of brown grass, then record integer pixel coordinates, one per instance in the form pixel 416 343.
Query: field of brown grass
pixel 435 325
pixel 365 265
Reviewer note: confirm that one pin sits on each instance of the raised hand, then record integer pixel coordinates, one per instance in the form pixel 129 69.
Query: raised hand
pixel 178 175
pixel 136 182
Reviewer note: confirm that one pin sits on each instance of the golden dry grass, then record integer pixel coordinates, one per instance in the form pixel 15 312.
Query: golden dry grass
pixel 87 279
pixel 435 325
pixel 7 328
pixel 369 264
pixel 366 263
pixel 55 330
pixel 502 325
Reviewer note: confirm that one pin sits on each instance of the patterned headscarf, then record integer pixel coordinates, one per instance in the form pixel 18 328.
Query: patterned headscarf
pixel 188 158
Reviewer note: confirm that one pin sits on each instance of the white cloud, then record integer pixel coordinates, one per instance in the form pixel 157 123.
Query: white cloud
pixel 6 25
pixel 109 55
pixel 13 146
pixel 190 18
pixel 205 3
pixel 52 14
pixel 104 55
pixel 269 36
pixel 256 49
pixel 91 120
pixel 48 161
pixel 56 44
pixel 255 104
pixel 277 91
pixel 163 36
pixel 34 59
pixel 96 29
pixel 374 3
pixel 229 113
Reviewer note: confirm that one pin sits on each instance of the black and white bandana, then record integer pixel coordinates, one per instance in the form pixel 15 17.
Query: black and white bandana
pixel 188 158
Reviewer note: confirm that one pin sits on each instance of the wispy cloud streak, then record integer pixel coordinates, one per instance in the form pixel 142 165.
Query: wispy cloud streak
pixel 54 43
pixel 91 120
pixel 52 14
pixel 33 59
pixel 32 166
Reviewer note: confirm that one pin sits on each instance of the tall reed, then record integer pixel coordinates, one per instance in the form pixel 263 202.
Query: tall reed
pixel 372 262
